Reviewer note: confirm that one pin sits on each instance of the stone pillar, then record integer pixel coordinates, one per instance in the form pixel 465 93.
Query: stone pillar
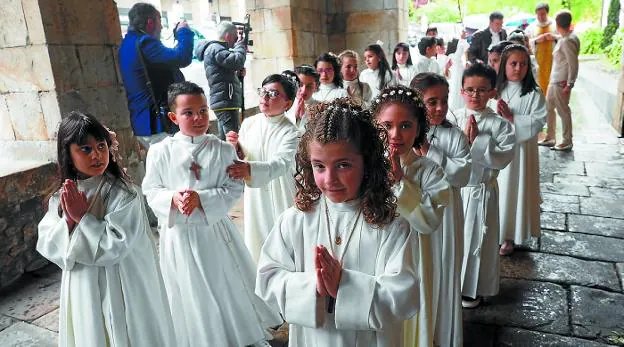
pixel 358 23
pixel 57 56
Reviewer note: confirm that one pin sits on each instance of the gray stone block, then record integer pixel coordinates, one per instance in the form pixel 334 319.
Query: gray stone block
pixel 561 166
pixel 603 207
pixel 590 181
pixel 31 298
pixel 620 270
pixel 596 225
pixel 50 321
pixel 559 269
pixel 527 304
pixel 596 313
pixel 23 334
pixel 553 221
pixel 560 203
pixel 583 246
pixel 564 189
pixel 512 337
pixel 5 322
pixel 606 193
pixel 604 170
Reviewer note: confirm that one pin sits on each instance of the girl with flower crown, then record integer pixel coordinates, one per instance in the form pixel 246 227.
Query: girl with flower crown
pixel 266 146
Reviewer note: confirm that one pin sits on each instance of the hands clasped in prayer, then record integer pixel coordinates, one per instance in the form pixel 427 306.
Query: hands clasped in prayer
pixel 471 129
pixel 328 273
pixel 186 201
pixel 74 203
pixel 503 109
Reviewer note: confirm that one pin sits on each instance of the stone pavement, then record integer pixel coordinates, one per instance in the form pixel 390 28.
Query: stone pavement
pixel 565 289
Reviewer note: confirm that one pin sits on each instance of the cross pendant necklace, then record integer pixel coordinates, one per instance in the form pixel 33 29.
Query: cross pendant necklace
pixel 196 169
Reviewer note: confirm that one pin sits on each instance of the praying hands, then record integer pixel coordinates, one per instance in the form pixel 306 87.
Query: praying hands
pixel 503 109
pixel 74 203
pixel 186 201
pixel 471 129
pixel 395 162
pixel 328 273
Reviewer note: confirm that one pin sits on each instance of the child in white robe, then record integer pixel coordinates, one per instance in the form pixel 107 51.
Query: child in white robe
pixel 421 190
pixel 96 231
pixel 458 63
pixel 443 60
pixel 339 265
pixel 402 66
pixel 378 74
pixel 358 91
pixel 208 273
pixel 308 84
pixel 522 104
pixel 267 143
pixel 330 78
pixel 447 146
pixel 492 142
pixel 426 62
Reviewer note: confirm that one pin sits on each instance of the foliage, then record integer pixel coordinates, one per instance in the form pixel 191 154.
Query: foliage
pixel 614 50
pixel 591 40
pixel 565 4
pixel 617 338
pixel 411 10
pixel 446 10
pixel 613 22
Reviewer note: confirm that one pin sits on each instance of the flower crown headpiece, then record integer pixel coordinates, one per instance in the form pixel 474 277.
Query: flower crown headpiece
pixel 292 79
pixel 343 110
pixel 414 95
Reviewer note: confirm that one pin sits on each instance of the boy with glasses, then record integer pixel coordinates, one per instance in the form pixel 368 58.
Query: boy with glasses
pixel 492 141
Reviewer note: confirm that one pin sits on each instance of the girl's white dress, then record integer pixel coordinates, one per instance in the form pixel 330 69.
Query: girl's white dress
pixel 404 74
pixel 519 182
pixel 112 293
pixel 359 91
pixel 329 92
pixel 456 71
pixel 371 77
pixel 378 288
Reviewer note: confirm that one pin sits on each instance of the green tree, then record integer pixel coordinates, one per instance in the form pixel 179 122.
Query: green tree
pixel 613 22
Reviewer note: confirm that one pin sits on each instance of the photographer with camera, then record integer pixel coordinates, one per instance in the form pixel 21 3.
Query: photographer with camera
pixel 224 62
pixel 148 68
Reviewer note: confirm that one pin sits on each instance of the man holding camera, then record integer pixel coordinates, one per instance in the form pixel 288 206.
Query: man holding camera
pixel 224 62
pixel 148 68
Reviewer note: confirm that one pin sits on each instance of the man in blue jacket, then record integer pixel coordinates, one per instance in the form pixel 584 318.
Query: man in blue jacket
pixel 224 62
pixel 163 68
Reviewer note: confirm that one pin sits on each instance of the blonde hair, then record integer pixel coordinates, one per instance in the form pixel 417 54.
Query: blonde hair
pixel 349 54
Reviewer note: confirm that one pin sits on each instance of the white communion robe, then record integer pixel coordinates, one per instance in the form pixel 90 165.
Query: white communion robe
pixel 208 272
pixel 269 145
pixel 371 77
pixel 456 101
pixel 291 114
pixel 519 181
pixel 450 150
pixel 112 293
pixel 358 91
pixel 424 64
pixel 329 92
pixel 422 195
pixel 404 74
pixel 378 288
pixel 492 151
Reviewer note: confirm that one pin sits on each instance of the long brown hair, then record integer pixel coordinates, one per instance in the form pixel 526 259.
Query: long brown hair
pixel 342 120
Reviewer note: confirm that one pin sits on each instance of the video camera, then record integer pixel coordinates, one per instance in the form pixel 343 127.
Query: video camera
pixel 246 28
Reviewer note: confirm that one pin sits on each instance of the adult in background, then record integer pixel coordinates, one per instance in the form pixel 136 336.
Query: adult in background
pixel 483 38
pixel 432 32
pixel 562 78
pixel 542 40
pixel 224 62
pixel 141 51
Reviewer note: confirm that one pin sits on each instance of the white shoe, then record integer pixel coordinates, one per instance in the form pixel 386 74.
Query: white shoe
pixel 470 302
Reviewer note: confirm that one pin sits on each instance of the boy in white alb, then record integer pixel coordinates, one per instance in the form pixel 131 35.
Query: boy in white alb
pixel 209 275
pixel 308 83
pixel 426 63
pixel 492 141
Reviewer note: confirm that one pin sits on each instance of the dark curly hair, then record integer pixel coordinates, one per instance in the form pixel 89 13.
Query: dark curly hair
pixel 344 120
pixel 409 98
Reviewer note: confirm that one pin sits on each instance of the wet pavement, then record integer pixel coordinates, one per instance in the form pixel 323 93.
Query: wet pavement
pixel 564 289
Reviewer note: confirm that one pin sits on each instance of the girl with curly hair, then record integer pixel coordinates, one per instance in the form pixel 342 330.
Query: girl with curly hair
pixel 447 146
pixel 421 191
pixel 338 265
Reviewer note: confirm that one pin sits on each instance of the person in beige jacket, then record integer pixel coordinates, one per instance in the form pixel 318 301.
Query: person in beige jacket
pixel 562 78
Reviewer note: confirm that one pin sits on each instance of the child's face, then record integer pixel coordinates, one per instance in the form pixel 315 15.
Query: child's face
pixel 191 114
pixel 401 56
pixel 274 106
pixel 308 87
pixel 477 91
pixel 436 102
pixel 494 60
pixel 349 68
pixel 440 50
pixel 90 158
pixel 401 126
pixel 517 66
pixel 371 59
pixel 338 170
pixel 326 70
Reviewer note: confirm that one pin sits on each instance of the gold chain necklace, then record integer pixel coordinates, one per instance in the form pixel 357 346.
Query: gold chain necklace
pixel 338 240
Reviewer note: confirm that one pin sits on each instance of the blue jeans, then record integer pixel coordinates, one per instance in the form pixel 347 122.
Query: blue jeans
pixel 227 121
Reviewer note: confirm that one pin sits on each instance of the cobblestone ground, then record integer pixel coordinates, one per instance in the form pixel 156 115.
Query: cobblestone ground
pixel 564 289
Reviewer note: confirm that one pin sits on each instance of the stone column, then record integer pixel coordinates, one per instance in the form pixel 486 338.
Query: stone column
pixel 57 56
